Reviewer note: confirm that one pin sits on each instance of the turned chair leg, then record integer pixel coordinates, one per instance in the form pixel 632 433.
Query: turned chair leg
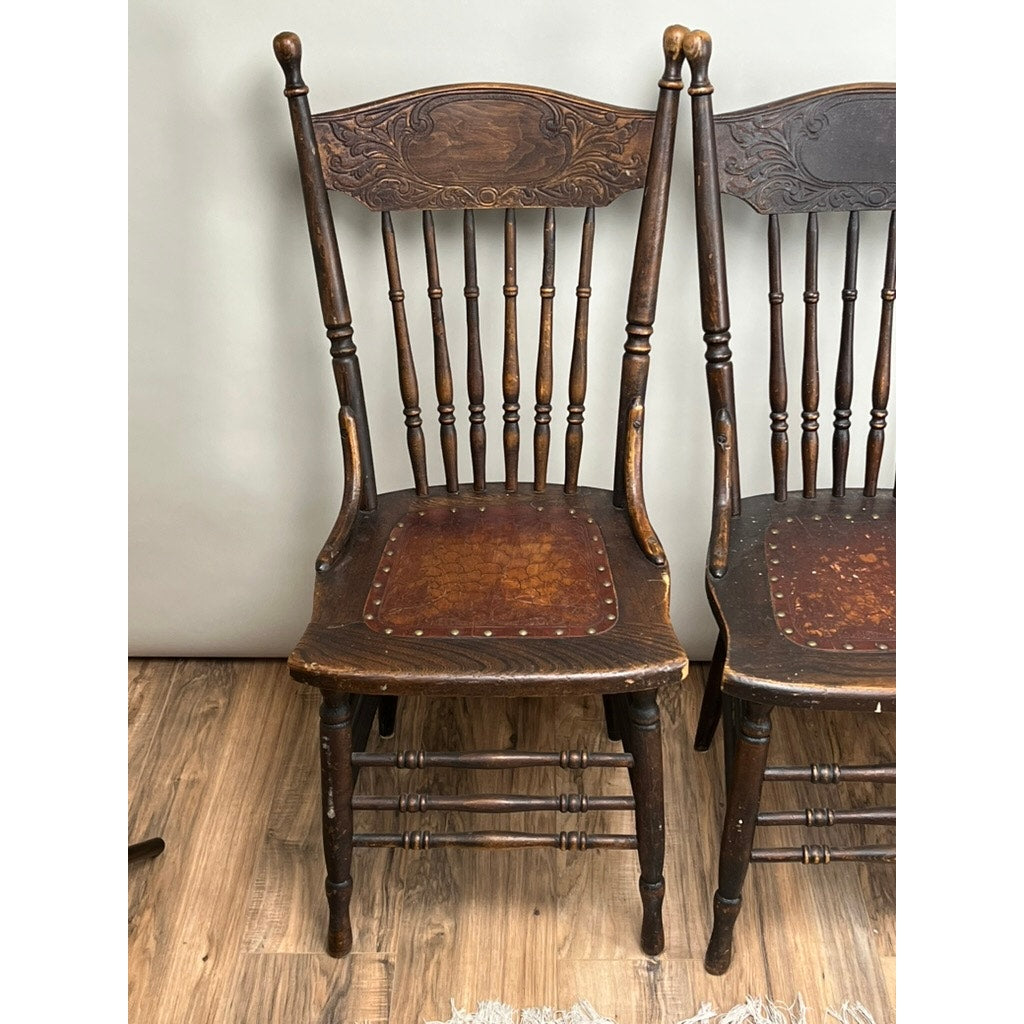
pixel 336 785
pixel 610 722
pixel 743 801
pixel 644 721
pixel 386 711
pixel 711 705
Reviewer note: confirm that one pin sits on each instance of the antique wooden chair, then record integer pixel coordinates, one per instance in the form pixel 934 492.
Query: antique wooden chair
pixel 801 583
pixel 503 589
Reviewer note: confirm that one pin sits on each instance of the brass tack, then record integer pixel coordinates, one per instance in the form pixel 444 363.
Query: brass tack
pixel 609 600
pixel 389 552
pixel 590 520
pixel 377 583
pixel 773 547
pixel 559 632
pixel 882 647
pixel 781 615
pixel 368 617
pixel 418 632
pixel 401 524
pixel 540 508
pixel 812 643
pixel 611 618
pixel 780 594
pixel 847 516
pixel 386 568
pixel 816 517
pixel 452 510
pixel 389 631
pixel 596 537
pixel 487 632
pixel 775 561
pixel 607 583
pixel 572 511
pixel 775 531
pixel 774 579
pixel 482 508
pixel 422 513
pixel 591 630
pixel 523 632
pixel 454 632
pixel 788 630
pixel 600 551
pixel 376 600
pixel 600 568
pixel 789 519
pixel 847 647
pixel 874 515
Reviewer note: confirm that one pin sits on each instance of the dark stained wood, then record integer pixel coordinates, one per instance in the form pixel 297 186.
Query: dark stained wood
pixel 442 362
pixel 777 394
pixel 883 359
pixel 809 387
pixel 407 382
pixel 542 415
pixel 802 585
pixel 452 591
pixel 474 360
pixel 484 146
pixel 510 362
pixel 844 369
pixel 578 364
pixel 326 258
pixel 145 850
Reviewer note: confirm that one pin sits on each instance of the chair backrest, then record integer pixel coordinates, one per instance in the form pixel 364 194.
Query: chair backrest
pixel 833 150
pixel 488 147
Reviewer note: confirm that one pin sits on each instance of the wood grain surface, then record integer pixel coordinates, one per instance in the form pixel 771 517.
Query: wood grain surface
pixel 227 924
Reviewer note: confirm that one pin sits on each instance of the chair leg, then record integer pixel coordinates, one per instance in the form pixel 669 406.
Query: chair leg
pixel 738 831
pixel 711 705
pixel 730 727
pixel 386 711
pixel 646 777
pixel 610 723
pixel 336 786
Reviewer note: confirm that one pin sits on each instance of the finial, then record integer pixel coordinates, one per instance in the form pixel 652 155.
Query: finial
pixel 697 47
pixel 288 50
pixel 672 43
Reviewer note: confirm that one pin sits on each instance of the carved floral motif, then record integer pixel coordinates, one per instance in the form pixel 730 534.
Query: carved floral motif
pixel 484 147
pixel 766 156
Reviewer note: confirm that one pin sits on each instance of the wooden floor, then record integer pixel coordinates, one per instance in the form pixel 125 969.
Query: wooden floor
pixel 228 923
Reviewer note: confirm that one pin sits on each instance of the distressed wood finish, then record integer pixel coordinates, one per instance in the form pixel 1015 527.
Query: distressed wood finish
pixel 454 591
pixel 802 584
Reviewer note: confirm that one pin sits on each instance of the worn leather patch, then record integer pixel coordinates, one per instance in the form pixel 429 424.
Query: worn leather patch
pixel 493 567
pixel 833 580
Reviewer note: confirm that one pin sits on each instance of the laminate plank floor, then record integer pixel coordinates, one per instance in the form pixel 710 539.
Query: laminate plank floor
pixel 228 924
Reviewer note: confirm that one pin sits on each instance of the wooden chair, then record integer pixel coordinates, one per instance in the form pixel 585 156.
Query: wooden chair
pixel 802 582
pixel 480 588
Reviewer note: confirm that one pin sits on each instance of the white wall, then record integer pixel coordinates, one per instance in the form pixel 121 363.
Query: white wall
pixel 234 462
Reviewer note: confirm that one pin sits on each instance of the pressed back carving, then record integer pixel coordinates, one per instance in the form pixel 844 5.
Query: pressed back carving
pixel 484 146
pixel 507 147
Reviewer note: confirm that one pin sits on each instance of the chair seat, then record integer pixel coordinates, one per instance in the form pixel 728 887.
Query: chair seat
pixel 808 604
pixel 526 593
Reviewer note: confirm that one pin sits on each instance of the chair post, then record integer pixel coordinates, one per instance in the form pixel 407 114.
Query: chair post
pixel 336 793
pixel 326 259
pixel 643 289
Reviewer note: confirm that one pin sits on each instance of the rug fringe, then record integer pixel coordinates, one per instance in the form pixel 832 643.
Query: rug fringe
pixel 755 1010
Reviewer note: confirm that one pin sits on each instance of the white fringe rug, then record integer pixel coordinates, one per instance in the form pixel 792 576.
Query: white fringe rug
pixel 753 1011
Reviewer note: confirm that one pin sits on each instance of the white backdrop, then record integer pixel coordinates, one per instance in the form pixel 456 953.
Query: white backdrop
pixel 234 462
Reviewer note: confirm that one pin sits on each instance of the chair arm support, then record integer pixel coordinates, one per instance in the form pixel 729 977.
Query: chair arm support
pixel 633 478
pixel 338 538
pixel 718 549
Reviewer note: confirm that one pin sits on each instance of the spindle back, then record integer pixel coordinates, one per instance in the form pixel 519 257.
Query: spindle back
pixel 488 147
pixel 829 151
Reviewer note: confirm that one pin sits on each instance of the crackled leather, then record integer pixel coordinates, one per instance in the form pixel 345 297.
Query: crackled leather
pixel 833 580
pixel 493 568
